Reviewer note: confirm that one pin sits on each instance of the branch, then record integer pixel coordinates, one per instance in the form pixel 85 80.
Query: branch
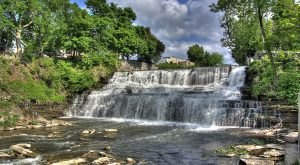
pixel 28 24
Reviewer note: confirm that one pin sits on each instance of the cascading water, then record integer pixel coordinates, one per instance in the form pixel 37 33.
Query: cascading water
pixel 206 96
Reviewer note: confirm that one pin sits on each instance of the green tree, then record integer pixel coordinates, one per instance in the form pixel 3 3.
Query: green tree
pixel 196 54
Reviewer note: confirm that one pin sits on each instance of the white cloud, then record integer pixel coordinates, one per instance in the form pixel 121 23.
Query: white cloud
pixel 179 25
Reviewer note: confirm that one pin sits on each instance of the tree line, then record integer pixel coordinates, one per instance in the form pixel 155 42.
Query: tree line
pixel 38 27
pixel 203 58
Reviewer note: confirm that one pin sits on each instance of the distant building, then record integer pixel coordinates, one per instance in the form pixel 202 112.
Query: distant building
pixel 175 60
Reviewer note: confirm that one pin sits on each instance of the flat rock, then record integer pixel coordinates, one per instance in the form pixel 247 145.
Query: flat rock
pixel 274 146
pixel 91 155
pixel 115 163
pixel 274 153
pixel 23 151
pixel 102 161
pixel 24 145
pixel 111 130
pixel 20 127
pixel 77 161
pixel 4 156
pixel 253 149
pixel 255 161
pixel 292 137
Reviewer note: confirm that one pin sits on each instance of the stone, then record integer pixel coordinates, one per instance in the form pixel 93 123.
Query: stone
pixel 36 126
pixel 292 137
pixel 8 129
pixel 24 145
pixel 102 161
pixel 255 161
pixel 102 154
pixel 274 153
pixel 107 148
pixel 88 132
pixel 111 130
pixel 130 161
pixel 23 151
pixel 115 163
pixel 77 161
pixel 4 156
pixel 273 146
pixel 253 149
pixel 20 127
pixel 91 155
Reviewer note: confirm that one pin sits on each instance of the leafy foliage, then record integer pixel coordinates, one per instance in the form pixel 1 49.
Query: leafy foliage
pixel 197 54
pixel 8 119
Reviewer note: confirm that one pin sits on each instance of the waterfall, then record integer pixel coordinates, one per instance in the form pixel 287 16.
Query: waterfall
pixel 206 96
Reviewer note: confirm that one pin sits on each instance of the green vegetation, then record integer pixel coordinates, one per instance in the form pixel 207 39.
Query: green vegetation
pixel 8 119
pixel 269 28
pixel 203 58
pixel 288 77
pixel 62 50
pixel 232 150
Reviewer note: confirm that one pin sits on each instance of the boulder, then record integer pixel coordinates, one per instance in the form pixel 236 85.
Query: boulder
pixel 130 161
pixel 115 163
pixel 77 161
pixel 292 137
pixel 102 161
pixel 19 150
pixel 107 148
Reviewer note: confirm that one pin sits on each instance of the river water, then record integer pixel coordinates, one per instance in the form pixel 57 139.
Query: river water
pixel 154 142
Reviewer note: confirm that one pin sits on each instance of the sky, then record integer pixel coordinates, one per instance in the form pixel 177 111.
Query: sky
pixel 179 24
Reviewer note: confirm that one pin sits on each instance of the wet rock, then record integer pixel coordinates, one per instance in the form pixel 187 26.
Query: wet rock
pixel 88 132
pixel 130 161
pixel 292 137
pixel 20 127
pixel 36 126
pixel 56 135
pixel 4 156
pixel 77 161
pixel 115 163
pixel 102 154
pixel 102 161
pixel 107 148
pixel 110 130
pixel 24 145
pixel 274 153
pixel 91 155
pixel 20 150
pixel 8 129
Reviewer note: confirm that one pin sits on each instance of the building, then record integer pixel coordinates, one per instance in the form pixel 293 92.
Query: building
pixel 175 60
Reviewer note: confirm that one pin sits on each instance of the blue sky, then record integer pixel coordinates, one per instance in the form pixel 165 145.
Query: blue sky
pixel 178 23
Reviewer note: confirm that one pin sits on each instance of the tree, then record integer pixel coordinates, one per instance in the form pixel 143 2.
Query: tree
pixel 203 58
pixel 196 54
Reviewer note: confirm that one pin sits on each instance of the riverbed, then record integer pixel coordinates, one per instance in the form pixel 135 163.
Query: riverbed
pixel 153 142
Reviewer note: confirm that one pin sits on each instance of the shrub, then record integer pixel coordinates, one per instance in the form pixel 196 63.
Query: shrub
pixel 8 119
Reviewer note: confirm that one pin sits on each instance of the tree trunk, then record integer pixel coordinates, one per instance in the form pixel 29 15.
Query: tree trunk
pixel 267 48
pixel 18 42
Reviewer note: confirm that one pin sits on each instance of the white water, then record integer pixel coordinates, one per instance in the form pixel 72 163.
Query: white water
pixel 206 96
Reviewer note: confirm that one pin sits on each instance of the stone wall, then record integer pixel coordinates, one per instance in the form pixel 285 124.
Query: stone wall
pixel 131 65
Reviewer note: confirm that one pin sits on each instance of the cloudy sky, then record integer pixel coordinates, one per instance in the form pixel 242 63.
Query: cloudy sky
pixel 179 24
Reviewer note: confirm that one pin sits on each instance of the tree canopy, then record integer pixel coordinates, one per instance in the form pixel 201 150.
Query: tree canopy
pixel 198 55
pixel 49 27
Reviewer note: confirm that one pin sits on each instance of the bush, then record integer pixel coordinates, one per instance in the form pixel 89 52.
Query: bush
pixel 8 119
